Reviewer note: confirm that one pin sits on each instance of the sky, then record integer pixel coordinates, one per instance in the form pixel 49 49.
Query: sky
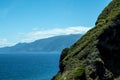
pixel 30 20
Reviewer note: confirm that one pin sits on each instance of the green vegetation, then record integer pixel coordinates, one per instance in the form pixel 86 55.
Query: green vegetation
pixel 79 73
pixel 64 53
pixel 96 55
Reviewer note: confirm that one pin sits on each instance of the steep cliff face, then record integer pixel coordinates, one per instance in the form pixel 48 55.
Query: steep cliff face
pixel 96 55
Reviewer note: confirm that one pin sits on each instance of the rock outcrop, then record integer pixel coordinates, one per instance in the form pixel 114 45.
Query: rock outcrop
pixel 96 56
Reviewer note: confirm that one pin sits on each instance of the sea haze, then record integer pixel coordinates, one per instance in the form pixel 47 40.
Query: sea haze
pixel 28 66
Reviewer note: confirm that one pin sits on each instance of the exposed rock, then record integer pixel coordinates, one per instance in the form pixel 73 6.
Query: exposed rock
pixel 96 55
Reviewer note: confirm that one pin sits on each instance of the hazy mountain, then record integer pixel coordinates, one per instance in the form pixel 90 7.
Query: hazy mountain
pixel 96 56
pixel 51 44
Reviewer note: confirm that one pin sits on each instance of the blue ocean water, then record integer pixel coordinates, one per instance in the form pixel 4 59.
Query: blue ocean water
pixel 28 66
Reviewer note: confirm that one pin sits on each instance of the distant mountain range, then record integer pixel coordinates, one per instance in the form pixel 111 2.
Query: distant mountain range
pixel 52 44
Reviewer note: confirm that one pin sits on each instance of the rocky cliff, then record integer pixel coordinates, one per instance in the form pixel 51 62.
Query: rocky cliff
pixel 96 56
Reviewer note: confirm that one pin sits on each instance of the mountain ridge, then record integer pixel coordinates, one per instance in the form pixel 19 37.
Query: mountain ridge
pixel 96 55
pixel 51 44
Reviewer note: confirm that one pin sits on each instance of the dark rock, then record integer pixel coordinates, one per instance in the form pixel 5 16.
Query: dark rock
pixel 96 55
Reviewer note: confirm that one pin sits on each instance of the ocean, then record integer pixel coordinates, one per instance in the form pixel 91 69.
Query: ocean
pixel 28 66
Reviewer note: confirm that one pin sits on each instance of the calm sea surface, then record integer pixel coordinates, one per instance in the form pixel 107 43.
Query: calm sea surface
pixel 28 66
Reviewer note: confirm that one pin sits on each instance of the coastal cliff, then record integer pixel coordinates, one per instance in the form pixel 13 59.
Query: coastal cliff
pixel 96 55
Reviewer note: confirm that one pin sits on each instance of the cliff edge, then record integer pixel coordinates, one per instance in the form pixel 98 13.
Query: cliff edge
pixel 96 56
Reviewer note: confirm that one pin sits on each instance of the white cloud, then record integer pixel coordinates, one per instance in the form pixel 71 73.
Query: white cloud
pixel 36 34
pixel 39 34
pixel 5 42
pixel 35 29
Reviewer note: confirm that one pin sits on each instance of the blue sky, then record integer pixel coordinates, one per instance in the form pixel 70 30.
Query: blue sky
pixel 29 20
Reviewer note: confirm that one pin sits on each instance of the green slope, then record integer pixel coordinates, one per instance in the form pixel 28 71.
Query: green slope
pixel 96 55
